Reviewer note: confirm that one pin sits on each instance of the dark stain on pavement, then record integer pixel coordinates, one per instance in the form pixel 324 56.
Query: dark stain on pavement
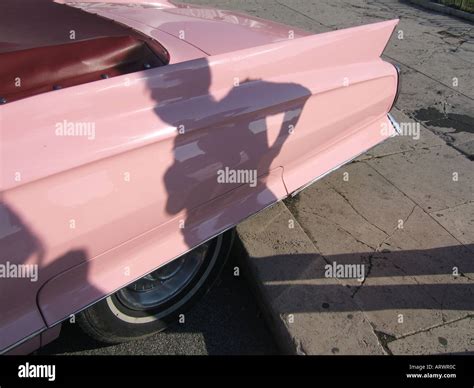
pixel 433 117
pixel 291 203
pixel 443 341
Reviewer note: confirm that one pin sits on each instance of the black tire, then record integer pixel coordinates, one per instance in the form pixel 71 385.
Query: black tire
pixel 120 318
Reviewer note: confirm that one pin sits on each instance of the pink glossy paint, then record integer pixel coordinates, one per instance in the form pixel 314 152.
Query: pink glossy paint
pixel 211 30
pixel 85 208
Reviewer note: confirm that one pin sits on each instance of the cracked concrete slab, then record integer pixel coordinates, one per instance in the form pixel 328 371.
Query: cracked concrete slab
pixel 417 274
pixel 416 280
pixel 317 313
pixel 459 221
pixel 356 209
pixel 435 179
pixel 367 220
pixel 329 319
pixel 452 338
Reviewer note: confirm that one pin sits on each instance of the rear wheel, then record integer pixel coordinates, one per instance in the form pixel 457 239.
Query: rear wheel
pixel 153 302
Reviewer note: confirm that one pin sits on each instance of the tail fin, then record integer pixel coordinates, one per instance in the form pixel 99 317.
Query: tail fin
pixel 357 44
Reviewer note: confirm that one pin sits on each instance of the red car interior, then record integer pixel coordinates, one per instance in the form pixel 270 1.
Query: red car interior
pixel 73 50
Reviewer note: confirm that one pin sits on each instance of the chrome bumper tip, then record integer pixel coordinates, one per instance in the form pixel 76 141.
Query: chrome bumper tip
pixel 395 125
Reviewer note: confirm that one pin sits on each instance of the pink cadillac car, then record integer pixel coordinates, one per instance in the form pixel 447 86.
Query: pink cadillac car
pixel 135 134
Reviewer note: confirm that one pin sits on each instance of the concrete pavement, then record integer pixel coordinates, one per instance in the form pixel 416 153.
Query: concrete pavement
pixel 418 273
pixel 403 213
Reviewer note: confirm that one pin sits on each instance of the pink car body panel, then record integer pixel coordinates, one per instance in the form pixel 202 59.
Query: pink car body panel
pixel 97 214
pixel 211 30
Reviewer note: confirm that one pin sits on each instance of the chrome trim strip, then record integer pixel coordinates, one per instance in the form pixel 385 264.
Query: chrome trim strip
pixel 395 125
pixel 399 84
pixel 22 341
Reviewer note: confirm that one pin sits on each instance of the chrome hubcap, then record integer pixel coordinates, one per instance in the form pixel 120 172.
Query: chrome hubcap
pixel 161 285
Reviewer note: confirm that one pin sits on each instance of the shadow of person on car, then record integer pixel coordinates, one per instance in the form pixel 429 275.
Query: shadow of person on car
pixel 24 268
pixel 223 132
pixel 242 128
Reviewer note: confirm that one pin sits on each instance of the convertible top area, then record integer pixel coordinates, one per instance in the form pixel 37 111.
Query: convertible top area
pixel 46 46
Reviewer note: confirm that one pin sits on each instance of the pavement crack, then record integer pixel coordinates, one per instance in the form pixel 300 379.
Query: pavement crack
pixel 414 278
pixel 383 338
pixel 340 227
pixel 451 207
pixel 463 275
pixel 304 15
pixel 374 157
pixel 389 236
pixel 427 329
pixel 290 204
pixel 421 208
pixel 356 211
pixel 300 350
